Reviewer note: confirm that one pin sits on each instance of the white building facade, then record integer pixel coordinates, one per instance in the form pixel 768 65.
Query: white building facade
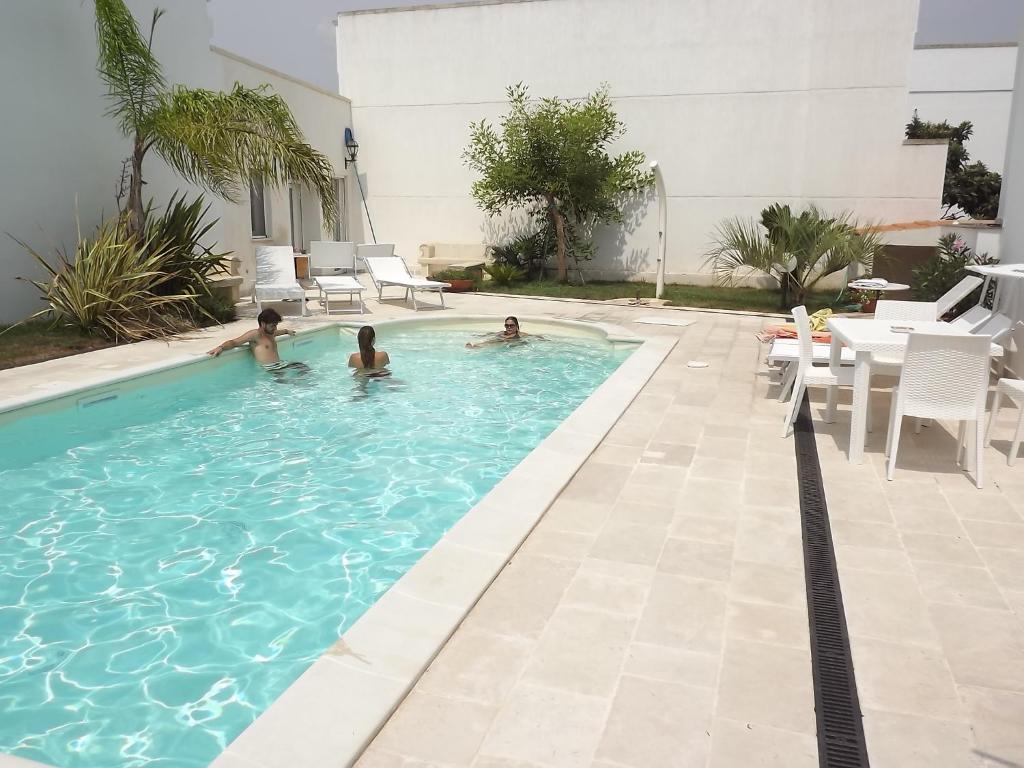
pixel 1011 211
pixel 966 82
pixel 61 155
pixel 743 104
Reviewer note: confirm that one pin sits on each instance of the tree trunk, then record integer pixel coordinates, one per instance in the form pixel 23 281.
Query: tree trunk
pixel 559 222
pixel 793 292
pixel 797 292
pixel 136 211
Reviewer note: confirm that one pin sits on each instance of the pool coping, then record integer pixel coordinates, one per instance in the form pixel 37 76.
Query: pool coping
pixel 337 705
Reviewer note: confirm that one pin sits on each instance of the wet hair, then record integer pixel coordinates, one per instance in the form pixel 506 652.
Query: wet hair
pixel 367 353
pixel 514 319
pixel 268 316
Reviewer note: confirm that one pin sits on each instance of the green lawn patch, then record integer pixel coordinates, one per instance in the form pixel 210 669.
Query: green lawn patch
pixel 35 342
pixel 704 296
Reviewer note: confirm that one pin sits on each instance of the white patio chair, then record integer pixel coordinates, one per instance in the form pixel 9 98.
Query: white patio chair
pixel 786 353
pixel 896 311
pixel 807 375
pixel 275 277
pixel 957 293
pixel 996 327
pixel 1013 389
pixel 332 258
pixel 943 377
pixel 392 270
pixel 972 318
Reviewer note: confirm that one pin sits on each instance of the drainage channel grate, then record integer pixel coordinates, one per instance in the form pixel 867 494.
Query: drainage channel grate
pixel 837 708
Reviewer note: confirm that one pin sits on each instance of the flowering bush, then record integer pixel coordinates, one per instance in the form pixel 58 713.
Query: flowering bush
pixel 946 269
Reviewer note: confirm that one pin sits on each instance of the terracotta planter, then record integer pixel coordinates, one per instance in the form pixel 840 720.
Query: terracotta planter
pixel 869 307
pixel 459 285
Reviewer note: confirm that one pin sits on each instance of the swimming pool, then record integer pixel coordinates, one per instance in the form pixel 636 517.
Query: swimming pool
pixel 174 555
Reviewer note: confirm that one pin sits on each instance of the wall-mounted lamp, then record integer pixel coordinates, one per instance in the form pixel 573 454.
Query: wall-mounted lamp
pixel 351 147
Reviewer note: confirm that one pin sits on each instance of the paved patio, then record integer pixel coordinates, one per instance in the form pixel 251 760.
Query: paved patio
pixel 657 617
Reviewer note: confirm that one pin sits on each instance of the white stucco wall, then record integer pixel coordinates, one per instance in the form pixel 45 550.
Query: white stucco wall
pixel 323 117
pixel 743 103
pixel 60 155
pixel 958 83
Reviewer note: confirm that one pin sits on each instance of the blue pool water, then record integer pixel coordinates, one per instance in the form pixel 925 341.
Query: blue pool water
pixel 173 558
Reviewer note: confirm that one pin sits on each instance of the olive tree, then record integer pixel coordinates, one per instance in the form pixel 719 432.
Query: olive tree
pixel 550 157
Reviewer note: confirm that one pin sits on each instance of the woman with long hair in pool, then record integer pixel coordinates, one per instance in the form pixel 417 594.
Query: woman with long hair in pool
pixel 369 362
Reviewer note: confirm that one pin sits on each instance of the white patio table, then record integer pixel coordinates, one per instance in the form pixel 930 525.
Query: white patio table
pixel 864 337
pixel 1009 297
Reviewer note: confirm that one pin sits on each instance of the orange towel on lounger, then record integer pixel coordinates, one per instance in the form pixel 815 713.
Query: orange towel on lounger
pixel 788 331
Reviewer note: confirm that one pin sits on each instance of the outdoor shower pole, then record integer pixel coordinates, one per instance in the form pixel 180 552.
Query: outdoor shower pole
pixel 659 185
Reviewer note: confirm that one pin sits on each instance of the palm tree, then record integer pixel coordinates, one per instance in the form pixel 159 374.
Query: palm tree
pixel 797 251
pixel 216 140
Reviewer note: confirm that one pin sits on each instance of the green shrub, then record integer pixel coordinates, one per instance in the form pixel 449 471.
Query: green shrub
pixel 947 268
pixel 531 252
pixel 218 307
pixel 971 187
pixel 504 274
pixel 127 288
pixel 115 286
pixel 453 273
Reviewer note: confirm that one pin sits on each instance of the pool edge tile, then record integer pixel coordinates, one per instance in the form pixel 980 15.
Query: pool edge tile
pixel 326 717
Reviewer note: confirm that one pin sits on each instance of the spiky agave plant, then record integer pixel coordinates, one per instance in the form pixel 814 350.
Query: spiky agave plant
pixel 115 285
pixel 214 139
pixel 178 232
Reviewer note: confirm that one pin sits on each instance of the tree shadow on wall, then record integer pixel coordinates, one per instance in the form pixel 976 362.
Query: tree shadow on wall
pixel 501 230
pixel 613 253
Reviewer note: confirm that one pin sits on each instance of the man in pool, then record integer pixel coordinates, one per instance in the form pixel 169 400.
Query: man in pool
pixel 511 335
pixel 263 343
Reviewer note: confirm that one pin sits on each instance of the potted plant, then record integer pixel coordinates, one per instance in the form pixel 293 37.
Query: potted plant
pixel 865 299
pixel 459 279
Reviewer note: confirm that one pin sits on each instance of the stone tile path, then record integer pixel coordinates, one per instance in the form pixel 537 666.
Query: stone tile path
pixel 657 616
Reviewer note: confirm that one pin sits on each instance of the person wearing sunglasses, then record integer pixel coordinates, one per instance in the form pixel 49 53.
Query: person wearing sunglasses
pixel 510 335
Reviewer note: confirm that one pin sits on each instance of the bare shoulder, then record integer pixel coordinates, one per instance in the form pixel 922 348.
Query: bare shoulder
pixel 353 360
pixel 382 358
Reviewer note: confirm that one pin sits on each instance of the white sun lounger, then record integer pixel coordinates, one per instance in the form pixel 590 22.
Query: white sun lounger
pixel 957 293
pixel 392 270
pixel 340 284
pixel 275 277
pixel 330 259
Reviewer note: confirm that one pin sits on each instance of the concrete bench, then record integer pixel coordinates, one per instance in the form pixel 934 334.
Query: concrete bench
pixel 435 257
pixel 228 284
